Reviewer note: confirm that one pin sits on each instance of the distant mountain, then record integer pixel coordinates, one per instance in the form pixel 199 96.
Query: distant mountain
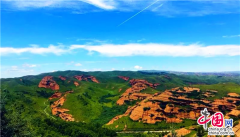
pixel 224 73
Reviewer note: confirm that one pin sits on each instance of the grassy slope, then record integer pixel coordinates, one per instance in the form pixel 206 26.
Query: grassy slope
pixel 138 126
pixel 222 88
pixel 96 103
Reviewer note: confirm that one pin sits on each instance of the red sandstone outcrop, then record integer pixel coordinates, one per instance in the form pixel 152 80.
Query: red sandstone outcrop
pixel 86 78
pixel 56 110
pixel 124 78
pixel 62 78
pixel 234 112
pixel 76 83
pixel 236 130
pixel 137 86
pixel 190 89
pixel 221 102
pixel 56 95
pixel 208 94
pixel 141 81
pixel 177 105
pixel 48 82
pixel 233 95
pixel 164 96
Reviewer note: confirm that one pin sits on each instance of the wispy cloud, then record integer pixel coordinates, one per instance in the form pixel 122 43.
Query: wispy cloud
pixel 133 49
pixel 24 4
pixel 153 49
pixel 171 7
pixel 29 65
pixel 78 64
pixel 17 70
pixel 34 49
pixel 92 41
pixel 231 36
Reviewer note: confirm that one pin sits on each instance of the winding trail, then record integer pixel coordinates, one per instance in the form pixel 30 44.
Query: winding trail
pixel 46 112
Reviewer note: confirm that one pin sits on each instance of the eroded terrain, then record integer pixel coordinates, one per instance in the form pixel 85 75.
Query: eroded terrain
pixel 173 105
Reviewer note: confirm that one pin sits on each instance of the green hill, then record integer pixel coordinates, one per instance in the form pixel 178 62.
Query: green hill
pixel 26 111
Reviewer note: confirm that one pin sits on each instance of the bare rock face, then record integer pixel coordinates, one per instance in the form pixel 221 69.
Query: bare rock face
pixel 48 82
pixel 86 78
pixel 124 78
pixel 62 78
pixel 131 93
pixel 141 81
pixel 56 95
pixel 172 106
pixel 58 111
pixel 76 83
pixel 233 95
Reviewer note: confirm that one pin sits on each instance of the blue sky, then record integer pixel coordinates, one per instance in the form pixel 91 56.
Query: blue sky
pixel 91 35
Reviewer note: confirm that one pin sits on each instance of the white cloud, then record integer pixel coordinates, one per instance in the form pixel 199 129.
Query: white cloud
pixel 29 65
pixel 231 36
pixel 23 4
pixel 104 4
pixel 78 64
pixel 138 67
pixel 133 49
pixel 170 7
pixel 153 49
pixel 34 49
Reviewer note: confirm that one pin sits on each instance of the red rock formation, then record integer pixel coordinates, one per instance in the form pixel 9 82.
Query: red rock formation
pixel 236 130
pixel 190 89
pixel 141 81
pixel 222 102
pixel 48 82
pixel 149 110
pixel 234 112
pixel 94 79
pixel 124 78
pixel 56 95
pixel 62 78
pixel 76 83
pixel 233 95
pixel 56 110
pixel 137 86
pixel 85 78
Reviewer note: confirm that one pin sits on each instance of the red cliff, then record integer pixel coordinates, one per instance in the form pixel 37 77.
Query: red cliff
pixel 48 82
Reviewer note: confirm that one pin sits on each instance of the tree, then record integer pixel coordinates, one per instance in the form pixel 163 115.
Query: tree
pixel 173 132
pixel 200 131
